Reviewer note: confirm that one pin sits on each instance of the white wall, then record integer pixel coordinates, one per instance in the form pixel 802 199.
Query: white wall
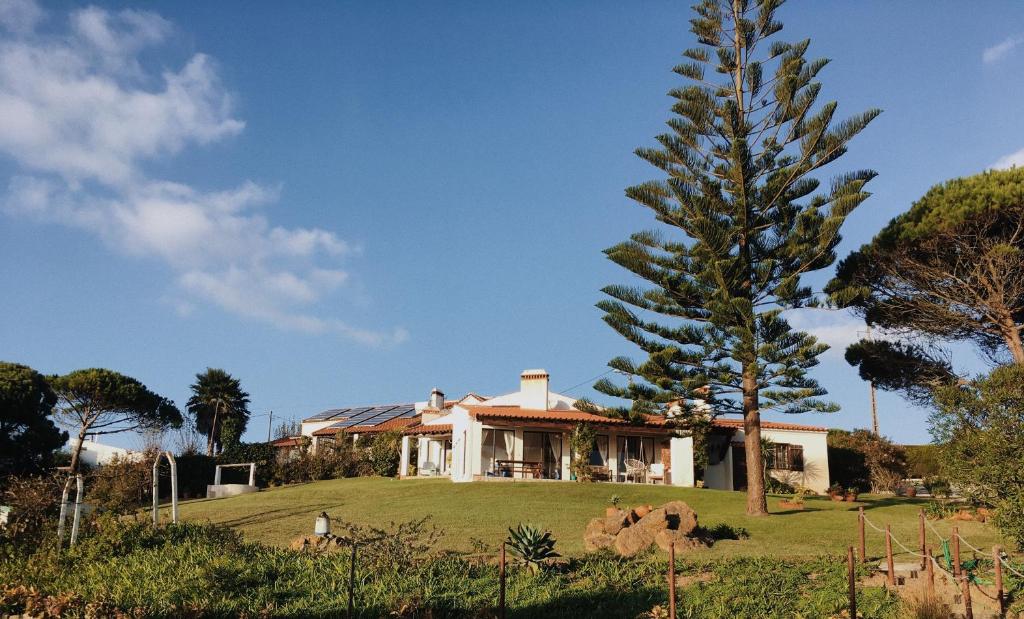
pixel 815 473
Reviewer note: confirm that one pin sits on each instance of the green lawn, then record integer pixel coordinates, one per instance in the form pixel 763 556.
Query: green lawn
pixel 484 511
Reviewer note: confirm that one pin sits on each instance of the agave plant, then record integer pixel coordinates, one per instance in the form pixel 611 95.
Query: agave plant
pixel 530 546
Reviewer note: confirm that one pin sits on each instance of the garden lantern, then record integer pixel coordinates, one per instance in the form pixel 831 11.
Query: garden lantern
pixel 323 525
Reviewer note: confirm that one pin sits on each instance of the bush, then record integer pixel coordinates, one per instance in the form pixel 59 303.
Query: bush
pixel 863 460
pixel 581 443
pixel 122 485
pixel 35 505
pixel 328 462
pixel 383 453
pixel 922 461
pixel 980 426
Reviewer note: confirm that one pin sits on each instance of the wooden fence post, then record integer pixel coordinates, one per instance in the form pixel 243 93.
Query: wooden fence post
pixel 931 574
pixel 956 551
pixel 852 577
pixel 501 584
pixel 923 536
pixel 672 579
pixel 965 587
pixel 998 562
pixel 860 526
pixel 888 557
pixel 352 584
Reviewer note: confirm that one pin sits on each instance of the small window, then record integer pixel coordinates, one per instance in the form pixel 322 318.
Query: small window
pixel 786 457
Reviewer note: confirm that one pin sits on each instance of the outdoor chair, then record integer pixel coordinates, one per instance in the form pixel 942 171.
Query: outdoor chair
pixel 429 468
pixel 656 473
pixel 635 469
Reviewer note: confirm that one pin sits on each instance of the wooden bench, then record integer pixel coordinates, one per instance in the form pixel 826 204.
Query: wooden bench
pixel 523 467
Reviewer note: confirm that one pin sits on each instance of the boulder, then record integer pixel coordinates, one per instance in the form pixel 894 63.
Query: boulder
pixel 681 517
pixel 596 541
pixel 614 524
pixel 640 536
pixel 595 526
pixel 682 541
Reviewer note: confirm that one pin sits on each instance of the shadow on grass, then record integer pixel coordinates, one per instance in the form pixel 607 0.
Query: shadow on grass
pixel 598 604
pixel 274 514
pixel 889 502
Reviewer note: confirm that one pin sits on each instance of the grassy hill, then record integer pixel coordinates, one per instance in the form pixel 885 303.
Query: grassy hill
pixel 485 510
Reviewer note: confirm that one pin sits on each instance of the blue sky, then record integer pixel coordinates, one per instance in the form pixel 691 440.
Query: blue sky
pixel 357 202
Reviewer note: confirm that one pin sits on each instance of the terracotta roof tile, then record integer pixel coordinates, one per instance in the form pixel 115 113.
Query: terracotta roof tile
pixel 437 428
pixel 515 412
pixel 769 425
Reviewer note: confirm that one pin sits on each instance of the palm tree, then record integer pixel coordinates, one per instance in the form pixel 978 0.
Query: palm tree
pixel 216 397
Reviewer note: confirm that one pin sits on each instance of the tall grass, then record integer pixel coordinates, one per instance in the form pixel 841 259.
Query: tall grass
pixel 207 570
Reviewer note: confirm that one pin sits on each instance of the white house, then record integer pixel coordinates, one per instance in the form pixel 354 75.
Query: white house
pixel 525 435
pixel 97 454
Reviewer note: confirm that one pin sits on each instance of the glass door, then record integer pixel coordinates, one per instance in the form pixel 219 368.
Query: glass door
pixel 545 450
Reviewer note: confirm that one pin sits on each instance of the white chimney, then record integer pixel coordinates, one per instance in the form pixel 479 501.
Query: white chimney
pixel 533 389
pixel 436 400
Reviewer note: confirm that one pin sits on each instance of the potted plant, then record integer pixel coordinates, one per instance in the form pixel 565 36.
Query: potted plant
pixel 795 501
pixel 837 492
pixel 851 494
pixel 614 509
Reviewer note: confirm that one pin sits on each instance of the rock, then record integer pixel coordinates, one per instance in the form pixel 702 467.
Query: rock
pixel 614 524
pixel 682 542
pixel 681 517
pixel 640 512
pixel 640 536
pixel 314 543
pixel 595 526
pixel 597 541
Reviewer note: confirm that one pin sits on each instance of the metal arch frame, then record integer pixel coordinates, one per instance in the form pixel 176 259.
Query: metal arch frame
pixel 79 495
pixel 252 471
pixel 156 488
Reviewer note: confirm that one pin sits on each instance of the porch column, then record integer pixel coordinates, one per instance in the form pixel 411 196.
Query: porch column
pixel 682 461
pixel 613 456
pixel 566 459
pixel 403 463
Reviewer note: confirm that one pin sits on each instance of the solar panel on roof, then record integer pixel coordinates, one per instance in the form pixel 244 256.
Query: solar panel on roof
pixel 364 415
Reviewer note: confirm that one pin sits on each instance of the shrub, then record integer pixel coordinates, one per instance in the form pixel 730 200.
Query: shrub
pixel 864 460
pixel 922 461
pixel 581 443
pixel 531 547
pixel 122 485
pixel 35 504
pixel 383 453
pixel 980 426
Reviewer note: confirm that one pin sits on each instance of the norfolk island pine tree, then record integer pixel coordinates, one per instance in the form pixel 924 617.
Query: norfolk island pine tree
pixel 743 220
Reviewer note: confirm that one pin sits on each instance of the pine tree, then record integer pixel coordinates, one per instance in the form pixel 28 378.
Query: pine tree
pixel 743 222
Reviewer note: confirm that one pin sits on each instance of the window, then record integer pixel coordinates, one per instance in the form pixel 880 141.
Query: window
pixel 599 453
pixel 497 445
pixel 544 448
pixel 786 457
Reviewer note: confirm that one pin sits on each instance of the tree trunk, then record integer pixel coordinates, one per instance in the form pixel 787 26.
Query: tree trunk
pixel 757 505
pixel 213 430
pixel 76 453
pixel 1011 333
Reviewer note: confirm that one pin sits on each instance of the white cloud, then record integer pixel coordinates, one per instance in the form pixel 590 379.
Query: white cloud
pixel 1011 160
pixel 20 16
pixel 1002 49
pixel 837 328
pixel 81 117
